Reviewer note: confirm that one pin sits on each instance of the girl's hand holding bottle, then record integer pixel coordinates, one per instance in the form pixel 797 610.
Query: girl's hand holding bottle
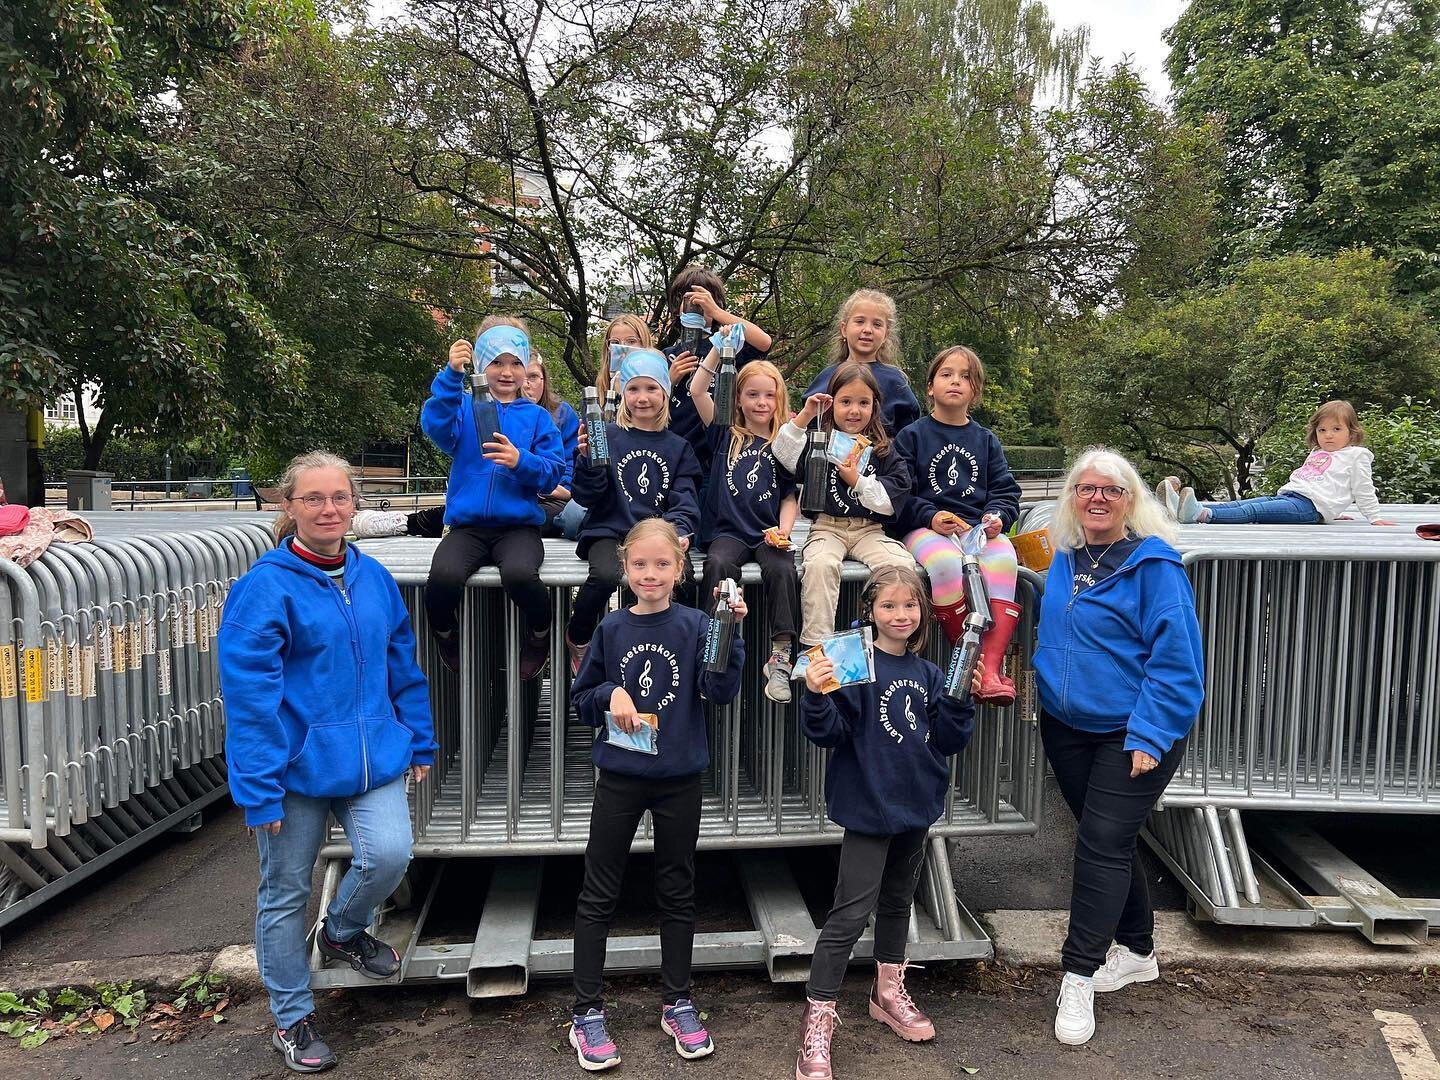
pixel 814 405
pixel 737 605
pixel 461 353
pixel 502 451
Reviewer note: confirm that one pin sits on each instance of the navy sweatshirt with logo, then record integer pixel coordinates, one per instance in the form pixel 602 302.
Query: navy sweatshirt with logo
pixel 742 500
pixel 961 469
pixel 651 474
pixel 684 419
pixel 891 738
pixel 898 407
pixel 659 660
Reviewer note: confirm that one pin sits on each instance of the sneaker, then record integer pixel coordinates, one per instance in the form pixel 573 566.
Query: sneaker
pixel 301 1047
pixel 447 644
pixel 777 678
pixel 1190 509
pixel 577 655
pixel 594 1048
pixel 365 953
pixel 681 1022
pixel 1168 492
pixel 1075 1015
pixel 534 654
pixel 1123 967
pixel 371 523
pixel 801 663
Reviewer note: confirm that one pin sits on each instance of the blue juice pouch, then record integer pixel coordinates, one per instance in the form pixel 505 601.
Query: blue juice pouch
pixel 645 740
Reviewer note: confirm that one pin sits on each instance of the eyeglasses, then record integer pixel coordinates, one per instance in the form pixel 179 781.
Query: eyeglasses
pixel 315 502
pixel 1109 492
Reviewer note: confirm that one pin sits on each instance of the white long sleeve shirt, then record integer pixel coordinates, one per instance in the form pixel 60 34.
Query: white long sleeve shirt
pixel 1332 480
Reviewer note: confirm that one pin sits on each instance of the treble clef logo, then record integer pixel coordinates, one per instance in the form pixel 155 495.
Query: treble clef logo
pixel 909 716
pixel 646 682
pixel 953 473
pixel 642 481
pixel 753 475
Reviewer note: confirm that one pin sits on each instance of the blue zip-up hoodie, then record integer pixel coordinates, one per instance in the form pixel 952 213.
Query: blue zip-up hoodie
pixel 960 468
pixel 567 420
pixel 659 660
pixel 323 696
pixel 480 492
pixel 898 407
pixel 891 739
pixel 651 474
pixel 1124 655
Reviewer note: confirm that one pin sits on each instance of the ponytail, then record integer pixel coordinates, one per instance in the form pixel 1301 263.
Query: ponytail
pixel 284 524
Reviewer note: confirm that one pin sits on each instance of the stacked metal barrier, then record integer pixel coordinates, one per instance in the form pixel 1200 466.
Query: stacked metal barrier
pixel 111 724
pixel 1322 654
pixel 511 781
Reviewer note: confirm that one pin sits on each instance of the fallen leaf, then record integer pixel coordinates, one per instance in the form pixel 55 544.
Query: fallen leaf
pixel 970 1070
pixel 105 1021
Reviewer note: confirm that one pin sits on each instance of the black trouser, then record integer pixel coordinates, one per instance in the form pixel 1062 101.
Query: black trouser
pixel 1108 898
pixel 428 522
pixel 724 558
pixel 600 584
pixel 674 805
pixel 516 550
pixel 879 874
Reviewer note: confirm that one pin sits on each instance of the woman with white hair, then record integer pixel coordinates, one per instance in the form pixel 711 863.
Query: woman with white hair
pixel 1120 674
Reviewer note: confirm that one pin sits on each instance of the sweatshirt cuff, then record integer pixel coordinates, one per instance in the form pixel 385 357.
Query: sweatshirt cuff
pixel 264 814
pixel 1135 741
pixel 423 757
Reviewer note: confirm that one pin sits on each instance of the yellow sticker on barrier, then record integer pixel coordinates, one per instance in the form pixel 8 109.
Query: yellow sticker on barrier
pixel 164 673
pixel 136 646
pixel 104 648
pixel 8 688
pixel 72 670
pixel 55 667
pixel 34 674
pixel 119 636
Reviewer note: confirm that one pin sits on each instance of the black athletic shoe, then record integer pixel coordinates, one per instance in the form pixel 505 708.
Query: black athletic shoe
pixel 448 646
pixel 364 953
pixel 302 1048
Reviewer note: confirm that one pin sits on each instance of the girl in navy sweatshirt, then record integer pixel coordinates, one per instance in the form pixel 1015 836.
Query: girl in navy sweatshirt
pixel 751 504
pixel 962 480
pixel 492 498
pixel 867 331
pixel 885 783
pixel 645 666
pixel 652 473
pixel 861 500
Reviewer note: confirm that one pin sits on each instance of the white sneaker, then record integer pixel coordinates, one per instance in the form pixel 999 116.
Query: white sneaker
pixel 1123 967
pixel 1075 1018
pixel 370 523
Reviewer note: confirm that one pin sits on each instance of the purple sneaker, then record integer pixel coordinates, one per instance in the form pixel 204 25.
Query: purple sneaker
pixel 594 1048
pixel 681 1022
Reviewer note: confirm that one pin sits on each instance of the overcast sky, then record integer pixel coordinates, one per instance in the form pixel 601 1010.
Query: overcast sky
pixel 1121 27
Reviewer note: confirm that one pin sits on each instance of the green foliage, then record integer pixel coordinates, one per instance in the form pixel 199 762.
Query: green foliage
pixel 1208 382
pixel 129 457
pixel 1406 442
pixel 120 1006
pixel 1028 458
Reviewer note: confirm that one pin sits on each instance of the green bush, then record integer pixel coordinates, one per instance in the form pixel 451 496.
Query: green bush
pixel 1406 442
pixel 127 458
pixel 1029 458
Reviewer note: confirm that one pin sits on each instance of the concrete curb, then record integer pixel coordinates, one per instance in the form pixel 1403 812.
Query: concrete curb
pixel 1033 939
pixel 236 965
pixel 167 970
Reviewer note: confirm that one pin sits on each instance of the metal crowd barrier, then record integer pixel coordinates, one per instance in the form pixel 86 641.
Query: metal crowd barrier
pixel 1322 654
pixel 111 724
pixel 512 782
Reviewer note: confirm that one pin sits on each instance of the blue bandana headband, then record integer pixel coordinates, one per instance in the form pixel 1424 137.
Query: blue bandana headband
pixel 499 340
pixel 647 364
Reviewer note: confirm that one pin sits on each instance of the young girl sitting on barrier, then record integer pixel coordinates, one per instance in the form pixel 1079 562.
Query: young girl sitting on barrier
pixel 886 785
pixel 650 472
pixel 751 504
pixel 1336 474
pixel 644 675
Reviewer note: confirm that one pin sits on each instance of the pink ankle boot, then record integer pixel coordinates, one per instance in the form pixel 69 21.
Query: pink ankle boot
pixel 890 1004
pixel 813 1062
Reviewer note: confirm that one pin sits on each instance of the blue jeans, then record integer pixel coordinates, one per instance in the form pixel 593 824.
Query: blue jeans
pixel 1288 508
pixel 569 520
pixel 377 824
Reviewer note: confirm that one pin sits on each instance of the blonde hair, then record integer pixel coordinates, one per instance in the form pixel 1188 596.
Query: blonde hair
pixel 977 370
pixel 284 524
pixel 622 412
pixel 907 577
pixel 502 320
pixel 739 436
pixel 603 374
pixel 1342 411
pixel 655 528
pixel 1146 517
pixel 889 349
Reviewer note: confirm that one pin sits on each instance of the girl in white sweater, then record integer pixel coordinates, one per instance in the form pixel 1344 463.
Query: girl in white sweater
pixel 1335 475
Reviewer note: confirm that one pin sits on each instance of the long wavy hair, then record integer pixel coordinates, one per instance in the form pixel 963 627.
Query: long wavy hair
pixel 889 349
pixel 1144 516
pixel 739 433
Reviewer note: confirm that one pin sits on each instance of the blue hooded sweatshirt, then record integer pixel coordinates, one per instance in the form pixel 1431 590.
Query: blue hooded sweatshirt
pixel 568 421
pixel 323 696
pixel 898 407
pixel 960 468
pixel 891 739
pixel 659 660
pixel 1125 654
pixel 480 492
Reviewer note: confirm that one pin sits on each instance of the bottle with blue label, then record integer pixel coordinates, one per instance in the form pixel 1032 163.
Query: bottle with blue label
pixel 595 434
pixel 720 632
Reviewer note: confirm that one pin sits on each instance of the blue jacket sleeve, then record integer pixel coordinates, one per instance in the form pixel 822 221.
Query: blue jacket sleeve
pixel 918 511
pixel 569 423
pixel 1174 684
pixel 252 679
pixel 828 720
pixel 409 691
pixel 591 690
pixel 952 722
pixel 1002 489
pixel 440 415
pixel 682 507
pixel 720 687
pixel 543 461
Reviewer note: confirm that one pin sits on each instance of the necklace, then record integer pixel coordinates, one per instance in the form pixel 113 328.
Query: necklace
pixel 1095 559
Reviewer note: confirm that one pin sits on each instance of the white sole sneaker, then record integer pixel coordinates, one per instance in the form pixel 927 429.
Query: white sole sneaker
pixel 1070 1038
pixel 1147 973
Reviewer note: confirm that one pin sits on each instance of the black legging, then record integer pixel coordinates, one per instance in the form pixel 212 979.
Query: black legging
pixel 600 584
pixel 517 551
pixel 724 558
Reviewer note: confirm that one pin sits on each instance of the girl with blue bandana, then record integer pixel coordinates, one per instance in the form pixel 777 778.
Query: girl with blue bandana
pixel 492 498
pixel 652 472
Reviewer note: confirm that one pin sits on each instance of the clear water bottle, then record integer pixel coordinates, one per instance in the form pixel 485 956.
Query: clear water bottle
pixel 816 482
pixel 595 434
pixel 720 632
pixel 482 405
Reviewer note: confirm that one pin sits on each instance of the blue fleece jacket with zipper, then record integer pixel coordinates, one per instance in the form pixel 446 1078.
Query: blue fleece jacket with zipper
pixel 957 467
pixel 650 474
pixel 567 420
pixel 479 492
pixel 1124 654
pixel 323 696
pixel 659 660
pixel 891 739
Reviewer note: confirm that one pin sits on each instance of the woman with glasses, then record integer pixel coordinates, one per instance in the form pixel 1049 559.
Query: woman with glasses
pixel 1119 667
pixel 326 711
